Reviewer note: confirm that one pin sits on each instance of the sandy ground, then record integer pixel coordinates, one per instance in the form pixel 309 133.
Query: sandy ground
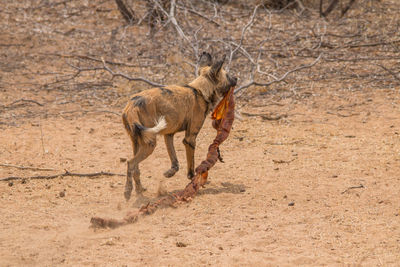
pixel 318 187
pixel 284 197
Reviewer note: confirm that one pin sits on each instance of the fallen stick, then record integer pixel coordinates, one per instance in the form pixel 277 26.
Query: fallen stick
pixel 66 173
pixel 352 187
pixel 280 161
pixel 390 71
pixel 223 117
pixel 24 101
pixel 268 117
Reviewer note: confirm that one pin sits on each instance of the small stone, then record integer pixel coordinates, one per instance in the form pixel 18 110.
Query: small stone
pixel 291 204
pixel 10 184
pixel 181 244
pixel 62 194
pixel 122 159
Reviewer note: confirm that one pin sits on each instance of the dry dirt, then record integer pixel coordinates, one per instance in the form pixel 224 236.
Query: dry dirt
pixel 310 159
pixel 318 187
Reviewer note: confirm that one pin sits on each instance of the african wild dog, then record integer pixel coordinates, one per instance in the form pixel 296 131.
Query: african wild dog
pixel 170 109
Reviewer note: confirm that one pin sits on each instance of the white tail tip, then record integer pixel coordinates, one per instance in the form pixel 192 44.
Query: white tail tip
pixel 161 124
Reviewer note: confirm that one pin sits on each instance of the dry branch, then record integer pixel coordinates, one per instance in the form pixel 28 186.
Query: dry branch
pixel 352 187
pixel 329 9
pixel 282 78
pixel 118 74
pixel 342 115
pixel 200 15
pixel 24 100
pixel 371 44
pixel 126 12
pixel 66 173
pixel 90 58
pixel 390 71
pixel 113 73
pixel 268 117
pixel 344 10
pixel 172 19
pixel 245 28
pixel 89 111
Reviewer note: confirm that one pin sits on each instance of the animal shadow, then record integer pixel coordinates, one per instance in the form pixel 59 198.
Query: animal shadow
pixel 227 187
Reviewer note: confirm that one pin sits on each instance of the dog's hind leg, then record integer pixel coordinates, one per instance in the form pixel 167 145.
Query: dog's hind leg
pixel 169 142
pixel 129 174
pixel 144 150
pixel 190 144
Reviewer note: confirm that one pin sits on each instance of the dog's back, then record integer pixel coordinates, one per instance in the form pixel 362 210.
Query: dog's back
pixel 178 105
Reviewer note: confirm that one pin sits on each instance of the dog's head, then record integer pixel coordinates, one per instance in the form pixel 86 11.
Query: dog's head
pixel 214 72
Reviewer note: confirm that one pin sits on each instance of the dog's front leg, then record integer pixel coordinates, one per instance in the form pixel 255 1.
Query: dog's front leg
pixel 169 142
pixel 190 145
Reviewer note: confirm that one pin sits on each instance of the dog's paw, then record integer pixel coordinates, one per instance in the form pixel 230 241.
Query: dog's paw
pixel 190 175
pixel 171 172
pixel 140 189
pixel 127 194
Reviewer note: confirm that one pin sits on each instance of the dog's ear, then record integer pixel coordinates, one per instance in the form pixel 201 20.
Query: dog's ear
pixel 216 67
pixel 205 60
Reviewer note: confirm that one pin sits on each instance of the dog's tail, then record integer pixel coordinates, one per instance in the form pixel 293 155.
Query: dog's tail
pixel 148 135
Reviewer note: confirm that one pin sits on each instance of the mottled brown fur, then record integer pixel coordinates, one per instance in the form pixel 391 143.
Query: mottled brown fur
pixel 172 109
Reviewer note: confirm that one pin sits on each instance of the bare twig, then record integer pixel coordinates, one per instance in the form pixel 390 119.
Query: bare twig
pixel 24 100
pixel 126 12
pixel 353 187
pixel 41 137
pixel 172 19
pixel 344 10
pixel 301 6
pixel 114 74
pixel 8 45
pixel 199 14
pixel 238 46
pixel 283 77
pixel 66 173
pixel 90 58
pixel 268 117
pixel 90 111
pixel 26 167
pixel 371 44
pixel 280 161
pixel 388 70
pixel 54 4
pixel 342 115
pixel 329 9
pixel 118 74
